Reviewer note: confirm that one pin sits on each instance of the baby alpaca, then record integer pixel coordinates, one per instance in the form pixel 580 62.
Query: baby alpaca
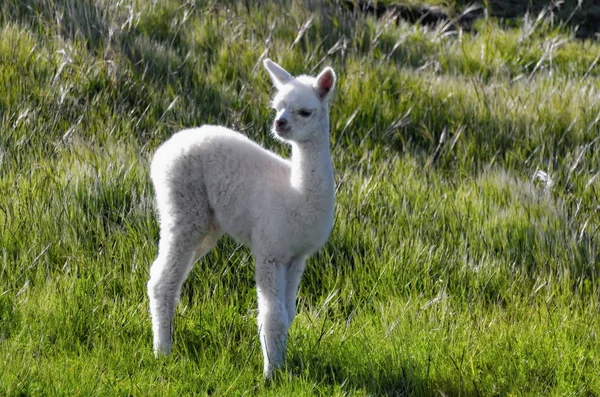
pixel 211 180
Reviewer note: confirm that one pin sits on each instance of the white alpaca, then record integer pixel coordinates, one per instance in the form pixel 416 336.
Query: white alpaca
pixel 211 180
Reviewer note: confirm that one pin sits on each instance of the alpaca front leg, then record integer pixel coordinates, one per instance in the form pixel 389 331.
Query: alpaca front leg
pixel 294 275
pixel 273 320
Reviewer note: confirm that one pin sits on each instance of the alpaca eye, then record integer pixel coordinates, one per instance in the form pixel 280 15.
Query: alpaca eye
pixel 304 112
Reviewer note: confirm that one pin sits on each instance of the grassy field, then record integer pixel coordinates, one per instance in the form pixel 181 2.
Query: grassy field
pixel 465 255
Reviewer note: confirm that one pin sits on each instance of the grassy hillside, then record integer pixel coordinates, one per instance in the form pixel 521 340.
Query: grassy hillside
pixel 581 16
pixel 465 255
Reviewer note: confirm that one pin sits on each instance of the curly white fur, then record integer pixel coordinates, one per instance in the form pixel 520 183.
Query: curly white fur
pixel 212 180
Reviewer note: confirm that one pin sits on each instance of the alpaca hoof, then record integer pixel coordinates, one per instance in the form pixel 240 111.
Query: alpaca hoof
pixel 162 350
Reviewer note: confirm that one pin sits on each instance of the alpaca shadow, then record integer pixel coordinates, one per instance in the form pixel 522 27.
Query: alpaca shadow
pixel 398 379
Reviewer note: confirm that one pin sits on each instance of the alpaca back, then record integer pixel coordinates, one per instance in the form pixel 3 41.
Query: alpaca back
pixel 244 184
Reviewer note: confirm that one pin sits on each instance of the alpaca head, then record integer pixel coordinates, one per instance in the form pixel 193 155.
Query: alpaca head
pixel 301 103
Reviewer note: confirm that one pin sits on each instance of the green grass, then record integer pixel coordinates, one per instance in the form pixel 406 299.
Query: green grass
pixel 579 16
pixel 465 255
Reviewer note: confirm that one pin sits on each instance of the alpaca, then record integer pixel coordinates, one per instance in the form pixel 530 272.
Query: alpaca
pixel 211 180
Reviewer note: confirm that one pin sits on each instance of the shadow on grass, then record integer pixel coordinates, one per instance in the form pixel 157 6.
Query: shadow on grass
pixel 582 16
pixel 150 76
pixel 83 19
pixel 404 378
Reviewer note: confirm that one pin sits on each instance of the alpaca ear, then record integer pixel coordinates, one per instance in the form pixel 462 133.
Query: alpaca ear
pixel 279 75
pixel 325 83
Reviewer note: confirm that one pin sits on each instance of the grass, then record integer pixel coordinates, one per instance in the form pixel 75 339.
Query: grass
pixel 579 16
pixel 465 255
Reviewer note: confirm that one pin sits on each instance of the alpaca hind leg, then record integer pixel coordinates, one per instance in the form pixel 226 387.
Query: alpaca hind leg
pixel 294 275
pixel 176 252
pixel 208 242
pixel 272 313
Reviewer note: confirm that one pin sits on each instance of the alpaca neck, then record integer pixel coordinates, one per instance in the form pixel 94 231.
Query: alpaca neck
pixel 312 171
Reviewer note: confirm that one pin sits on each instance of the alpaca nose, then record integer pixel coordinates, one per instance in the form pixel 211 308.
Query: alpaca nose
pixel 281 122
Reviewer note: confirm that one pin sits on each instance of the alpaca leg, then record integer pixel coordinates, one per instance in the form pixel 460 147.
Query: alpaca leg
pixel 272 313
pixel 167 274
pixel 208 243
pixel 294 275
